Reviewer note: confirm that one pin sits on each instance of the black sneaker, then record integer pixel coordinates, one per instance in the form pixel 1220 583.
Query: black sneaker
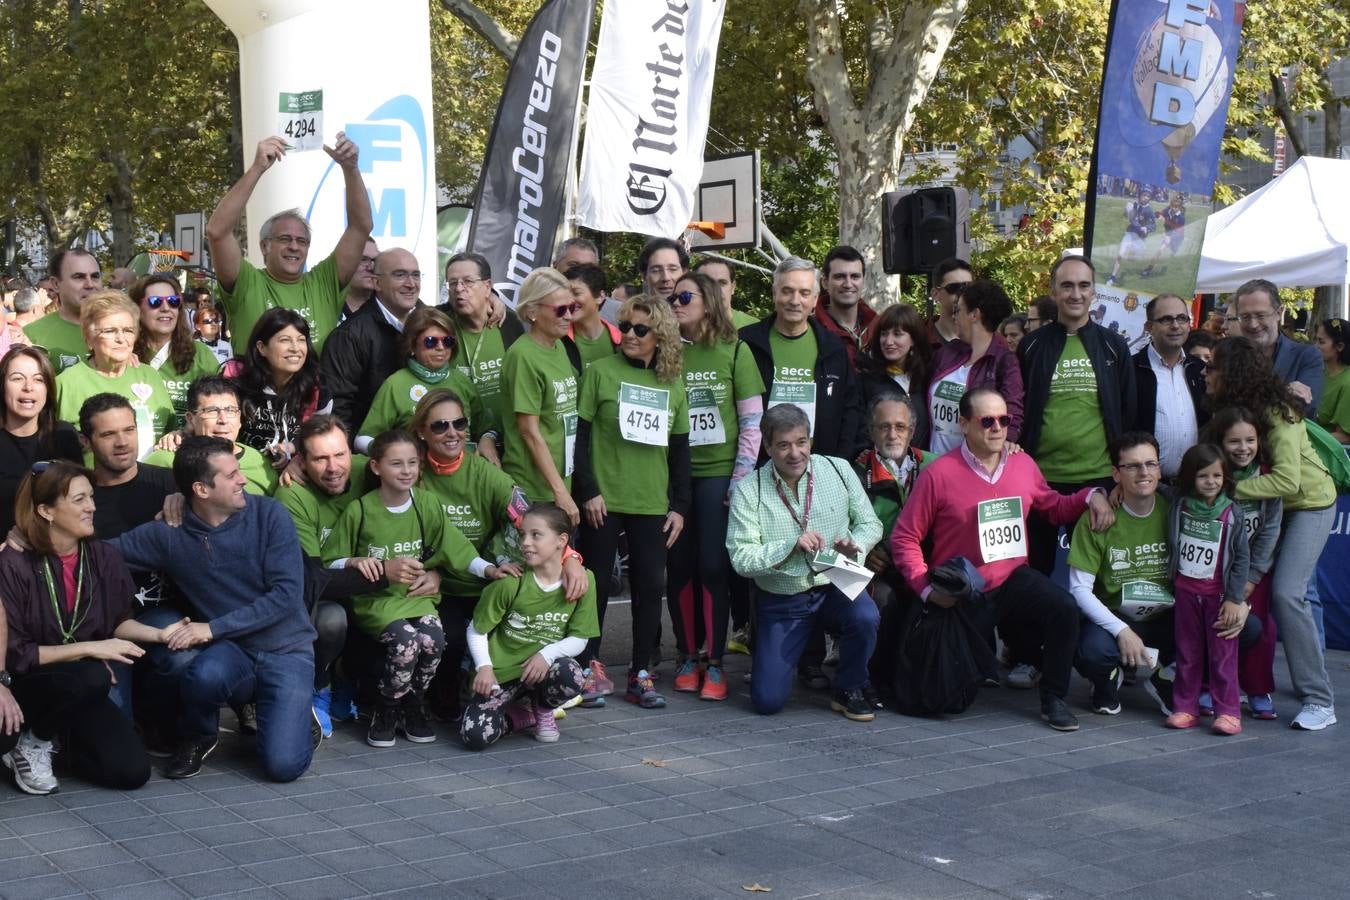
pixel 414 723
pixel 1160 689
pixel 814 677
pixel 188 757
pixel 383 723
pixel 1056 712
pixel 853 705
pixel 247 714
pixel 872 697
pixel 1106 694
pixel 315 729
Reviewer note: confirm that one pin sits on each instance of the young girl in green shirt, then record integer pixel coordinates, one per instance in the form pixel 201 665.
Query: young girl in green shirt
pixel 524 637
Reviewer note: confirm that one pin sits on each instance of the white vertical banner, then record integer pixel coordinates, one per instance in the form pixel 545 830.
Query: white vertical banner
pixel 647 115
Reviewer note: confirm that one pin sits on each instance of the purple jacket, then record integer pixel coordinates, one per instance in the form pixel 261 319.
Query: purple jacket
pixel 997 369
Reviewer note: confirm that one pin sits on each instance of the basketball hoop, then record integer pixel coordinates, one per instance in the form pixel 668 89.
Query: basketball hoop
pixel 167 260
pixel 710 229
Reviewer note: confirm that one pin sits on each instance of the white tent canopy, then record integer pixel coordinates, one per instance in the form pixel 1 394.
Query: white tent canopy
pixel 1293 231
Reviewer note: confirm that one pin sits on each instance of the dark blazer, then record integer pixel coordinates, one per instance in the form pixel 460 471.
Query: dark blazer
pixel 357 357
pixel 1146 387
pixel 1039 353
pixel 1300 362
pixel 840 430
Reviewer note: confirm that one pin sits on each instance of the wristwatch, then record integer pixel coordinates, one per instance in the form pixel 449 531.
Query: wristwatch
pixel 5 679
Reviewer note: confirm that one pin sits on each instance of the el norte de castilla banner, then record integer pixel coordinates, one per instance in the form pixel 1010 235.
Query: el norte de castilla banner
pixel 1165 91
pixel 647 115
pixel 521 191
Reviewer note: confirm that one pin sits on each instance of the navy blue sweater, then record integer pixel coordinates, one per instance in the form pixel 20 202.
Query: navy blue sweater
pixel 245 575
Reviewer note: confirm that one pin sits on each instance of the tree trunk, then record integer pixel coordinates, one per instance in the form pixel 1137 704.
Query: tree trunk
pixel 861 185
pixel 483 25
pixel 122 204
pixel 1280 100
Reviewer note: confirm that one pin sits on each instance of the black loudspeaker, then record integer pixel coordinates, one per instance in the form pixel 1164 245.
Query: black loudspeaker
pixel 921 228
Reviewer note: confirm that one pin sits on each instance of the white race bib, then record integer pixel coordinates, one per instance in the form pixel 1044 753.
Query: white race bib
pixel 1251 518
pixel 569 442
pixel 705 419
pixel 300 120
pixel 1143 600
pixel 945 409
pixel 801 394
pixel 644 414
pixel 1198 547
pixel 1002 529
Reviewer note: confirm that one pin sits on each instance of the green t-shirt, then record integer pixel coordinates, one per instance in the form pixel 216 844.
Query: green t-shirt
pixel 396 400
pixel 142 385
pixel 715 379
pixel 261 478
pixel 204 362
pixel 481 357
pixel 368 528
pixel 477 499
pixel 742 319
pixel 63 341
pixel 520 618
pixel 794 372
pixel 1334 410
pixel 317 296
pixel 1134 549
pixel 632 471
pixel 1073 439
pixel 539 381
pixel 316 511
pixel 594 349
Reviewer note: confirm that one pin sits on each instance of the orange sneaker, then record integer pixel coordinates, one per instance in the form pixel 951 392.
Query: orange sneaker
pixel 1181 720
pixel 688 677
pixel 1226 725
pixel 714 684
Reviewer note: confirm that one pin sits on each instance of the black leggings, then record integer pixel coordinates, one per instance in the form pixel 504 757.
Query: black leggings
pixel 485 719
pixel 646 573
pixel 70 700
pixel 697 590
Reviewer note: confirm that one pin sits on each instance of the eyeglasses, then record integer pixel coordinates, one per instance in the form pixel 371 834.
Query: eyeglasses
pixel 431 342
pixel 1169 321
pixel 567 309
pixel 299 240
pixel 173 300
pixel 955 288
pixel 684 298
pixel 441 426
pixel 1254 318
pixel 1134 468
pixel 367 262
pixel 454 283
pixel 640 330
pixel 988 422
pixel 403 275
pixel 128 333
pixel 219 412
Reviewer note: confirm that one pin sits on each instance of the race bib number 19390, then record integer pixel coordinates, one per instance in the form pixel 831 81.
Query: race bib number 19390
pixel 1002 529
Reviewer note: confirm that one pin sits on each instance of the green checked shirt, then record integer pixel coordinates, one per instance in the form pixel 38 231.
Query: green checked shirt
pixel 762 533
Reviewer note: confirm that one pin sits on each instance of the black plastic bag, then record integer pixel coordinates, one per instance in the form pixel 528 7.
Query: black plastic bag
pixel 941 661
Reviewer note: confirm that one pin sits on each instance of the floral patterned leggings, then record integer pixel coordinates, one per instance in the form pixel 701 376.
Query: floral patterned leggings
pixel 413 650
pixel 485 718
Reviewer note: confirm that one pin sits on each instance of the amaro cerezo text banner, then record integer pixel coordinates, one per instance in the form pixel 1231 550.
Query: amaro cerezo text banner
pixel 1165 91
pixel 647 115
pixel 522 187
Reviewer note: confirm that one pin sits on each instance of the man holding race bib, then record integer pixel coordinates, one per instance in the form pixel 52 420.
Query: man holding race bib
pixel 802 363
pixel 973 503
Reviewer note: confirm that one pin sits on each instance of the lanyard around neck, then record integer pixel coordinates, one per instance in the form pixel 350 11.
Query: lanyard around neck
pixel 76 616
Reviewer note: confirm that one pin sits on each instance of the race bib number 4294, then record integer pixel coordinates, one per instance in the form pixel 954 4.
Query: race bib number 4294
pixel 300 120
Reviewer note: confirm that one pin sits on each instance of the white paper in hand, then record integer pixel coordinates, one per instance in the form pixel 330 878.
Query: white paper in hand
pixel 300 120
pixel 850 577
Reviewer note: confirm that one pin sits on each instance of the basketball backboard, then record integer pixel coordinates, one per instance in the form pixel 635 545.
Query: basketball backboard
pixel 728 193
pixel 188 235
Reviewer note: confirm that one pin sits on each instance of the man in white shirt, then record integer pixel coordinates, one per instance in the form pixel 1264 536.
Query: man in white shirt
pixel 1170 384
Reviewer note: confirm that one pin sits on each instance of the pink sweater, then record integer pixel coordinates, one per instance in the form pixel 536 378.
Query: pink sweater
pixel 944 503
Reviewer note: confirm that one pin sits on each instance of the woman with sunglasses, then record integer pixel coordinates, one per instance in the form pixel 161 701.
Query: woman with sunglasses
pixel 30 428
pixel 428 344
pixel 1333 413
pixel 165 342
pixel 898 357
pixel 633 472
pixel 279 384
pixel 67 608
pixel 724 391
pixel 111 324
pixel 210 331
pixel 541 376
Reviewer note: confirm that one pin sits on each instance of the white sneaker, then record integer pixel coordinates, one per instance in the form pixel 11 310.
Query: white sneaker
pixel 1314 718
pixel 31 763
pixel 1023 676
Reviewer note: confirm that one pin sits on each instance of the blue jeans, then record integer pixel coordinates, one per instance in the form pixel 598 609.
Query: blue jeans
pixel 156 674
pixel 783 625
pixel 280 684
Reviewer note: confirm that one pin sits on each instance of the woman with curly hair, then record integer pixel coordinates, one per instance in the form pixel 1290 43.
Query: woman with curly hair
pixel 279 383
pixel 165 340
pixel 898 358
pixel 1241 375
pixel 632 470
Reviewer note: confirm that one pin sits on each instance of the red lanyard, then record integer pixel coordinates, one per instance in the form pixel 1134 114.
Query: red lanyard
pixel 806 505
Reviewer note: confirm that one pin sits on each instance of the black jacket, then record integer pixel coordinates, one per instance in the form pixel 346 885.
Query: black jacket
pixel 1146 384
pixel 840 430
pixel 1109 354
pixel 357 357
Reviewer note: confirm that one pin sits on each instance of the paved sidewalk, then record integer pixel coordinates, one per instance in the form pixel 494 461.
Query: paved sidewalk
pixel 703 799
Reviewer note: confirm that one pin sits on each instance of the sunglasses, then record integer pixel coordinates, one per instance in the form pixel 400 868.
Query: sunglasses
pixel 440 426
pixel 684 298
pixel 431 342
pixel 41 466
pixel 955 288
pixel 173 300
pixel 208 321
pixel 988 422
pixel 640 330
pixel 566 308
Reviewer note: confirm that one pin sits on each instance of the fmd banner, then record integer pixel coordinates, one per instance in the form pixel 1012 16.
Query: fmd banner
pixel 522 186
pixel 1168 76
